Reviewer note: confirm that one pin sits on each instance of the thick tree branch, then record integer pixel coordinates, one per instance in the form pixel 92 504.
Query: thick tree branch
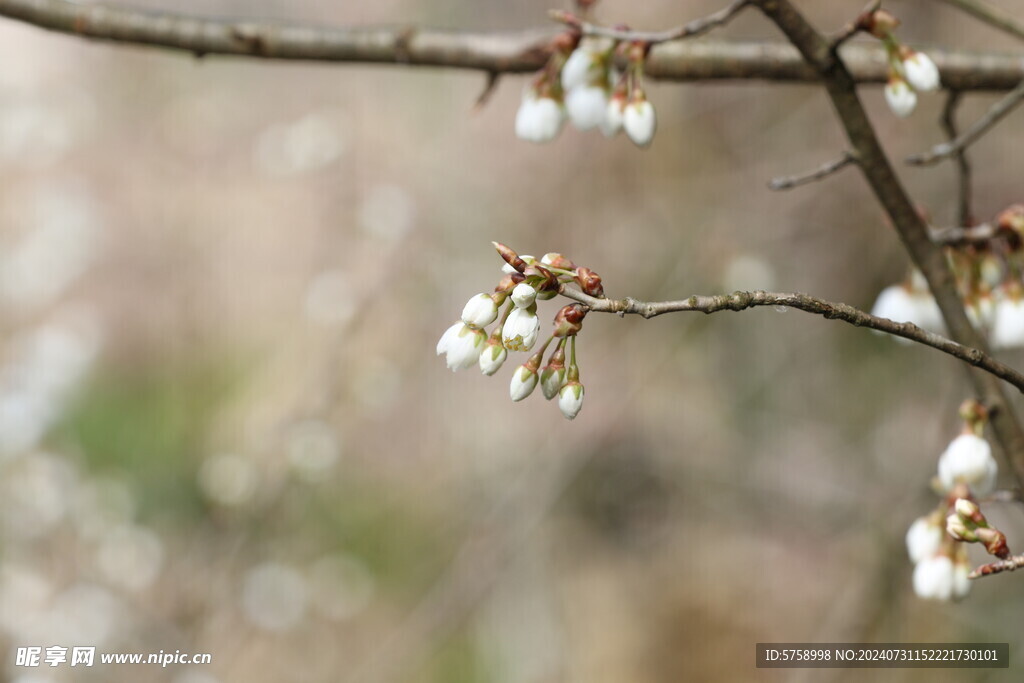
pixel 509 52
pixel 739 301
pixel 971 135
pixel 913 231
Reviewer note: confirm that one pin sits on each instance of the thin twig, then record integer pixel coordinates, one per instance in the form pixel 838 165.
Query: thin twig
pixel 854 27
pixel 739 301
pixel 823 171
pixel 929 257
pixel 965 214
pixel 689 30
pixel 977 129
pixel 493 78
pixel 974 234
pixel 1007 565
pixel 504 52
pixel 991 15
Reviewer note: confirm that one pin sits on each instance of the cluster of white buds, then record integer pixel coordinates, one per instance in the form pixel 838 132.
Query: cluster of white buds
pixel 581 82
pixel 988 269
pixel 935 542
pixel 525 281
pixel 910 71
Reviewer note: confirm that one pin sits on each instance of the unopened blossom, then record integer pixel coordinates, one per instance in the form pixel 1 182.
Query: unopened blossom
pixel 900 97
pixel 492 358
pixel 524 381
pixel 539 119
pixel 508 269
pixel 1008 323
pixel 968 460
pixel 580 69
pixel 480 311
pixel 524 295
pixel 462 346
pixel 639 121
pixel 934 578
pixel 961 580
pixel 924 538
pixel 587 106
pixel 921 72
pixel 903 305
pixel 570 399
pixel 519 333
pixel 614 115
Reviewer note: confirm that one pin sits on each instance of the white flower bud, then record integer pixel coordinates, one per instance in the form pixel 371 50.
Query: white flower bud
pixel 524 380
pixel 901 305
pixel 582 66
pixel 539 119
pixel 968 459
pixel 965 508
pixel 524 295
pixel 480 311
pixel 639 121
pixel 551 381
pixel 1008 325
pixel 570 400
pixel 923 539
pixel 492 358
pixel 587 106
pixel 961 582
pixel 921 72
pixel 900 98
pixel 613 116
pixel 934 578
pixel 956 528
pixel 462 344
pixel 520 330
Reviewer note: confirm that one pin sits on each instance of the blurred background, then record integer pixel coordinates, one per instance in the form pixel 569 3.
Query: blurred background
pixel 223 427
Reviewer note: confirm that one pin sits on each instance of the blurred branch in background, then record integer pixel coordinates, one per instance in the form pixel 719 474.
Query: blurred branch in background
pixel 496 52
pixel 991 15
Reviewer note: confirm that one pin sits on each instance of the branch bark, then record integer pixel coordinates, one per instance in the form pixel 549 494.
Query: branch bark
pixel 506 52
pixel 739 301
pixel 913 231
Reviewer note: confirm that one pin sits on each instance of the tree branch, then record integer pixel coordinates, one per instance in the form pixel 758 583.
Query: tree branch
pixel 991 15
pixel 823 171
pixel 971 135
pixel 688 30
pixel 913 231
pixel 965 213
pixel 739 301
pixel 508 52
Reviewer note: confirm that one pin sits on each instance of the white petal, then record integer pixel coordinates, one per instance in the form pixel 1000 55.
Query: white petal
pixel 640 122
pixel 900 98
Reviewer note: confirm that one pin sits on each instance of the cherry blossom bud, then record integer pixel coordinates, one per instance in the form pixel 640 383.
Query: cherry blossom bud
pixel 589 282
pixel 1008 323
pixel 462 345
pixel 519 333
pixel 994 541
pixel 514 263
pixel 581 68
pixel 552 377
pixel 957 528
pixel 539 119
pixel 556 260
pixel 639 121
pixel 934 578
pixel 569 320
pixel 900 97
pixel 493 357
pixel 524 381
pixel 570 399
pixel 614 114
pixel 587 106
pixel 480 311
pixel 880 23
pixel 968 460
pixel 921 72
pixel 968 509
pixel 924 538
pixel 961 579
pixel 524 295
